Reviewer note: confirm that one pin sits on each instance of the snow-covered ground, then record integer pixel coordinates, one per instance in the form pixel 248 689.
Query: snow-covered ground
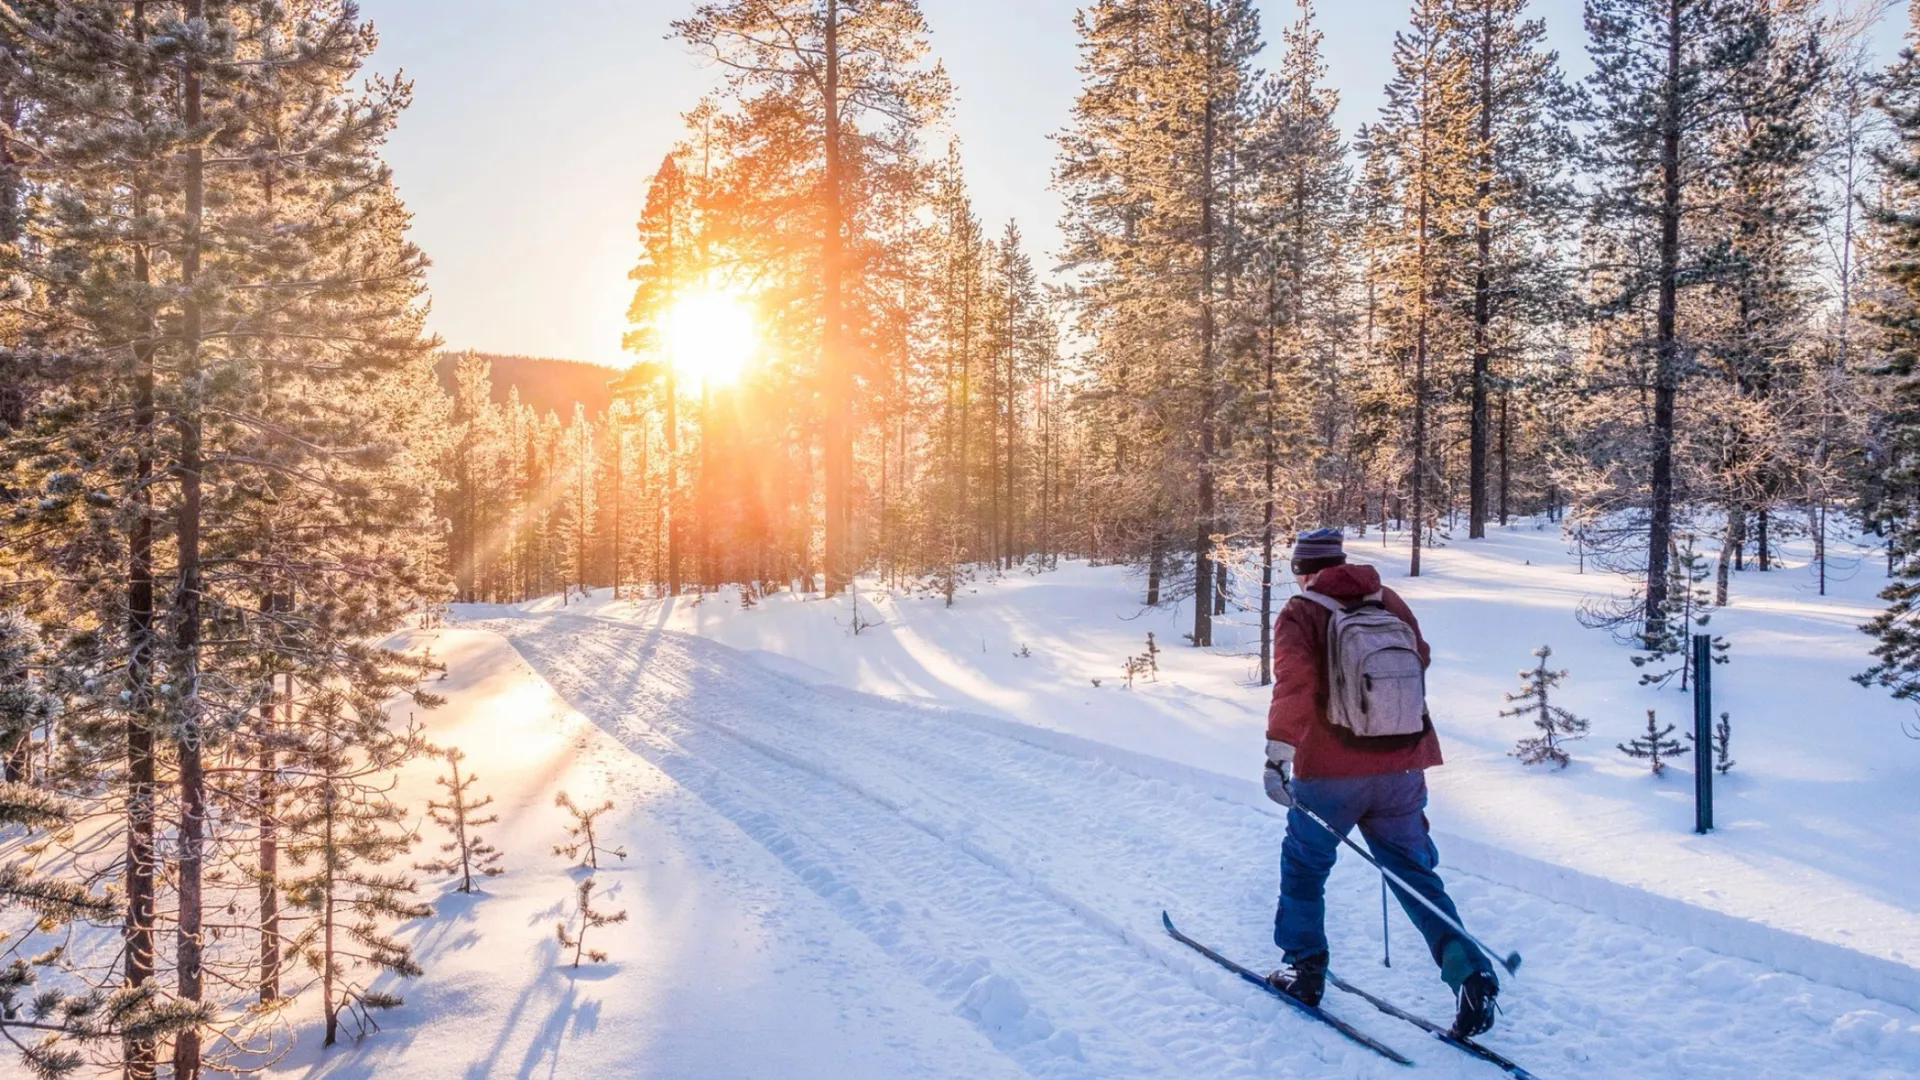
pixel 915 853
pixel 1818 826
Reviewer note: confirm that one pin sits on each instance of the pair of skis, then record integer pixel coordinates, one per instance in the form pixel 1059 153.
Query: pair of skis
pixel 1442 1034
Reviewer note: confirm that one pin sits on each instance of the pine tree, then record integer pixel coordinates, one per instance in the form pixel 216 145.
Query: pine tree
pixel 243 413
pixel 1666 86
pixel 63 1025
pixel 1297 214
pixel 1688 609
pixel 25 706
pixel 466 854
pixel 1895 221
pixel 1556 725
pixel 341 827
pixel 1425 133
pixel 589 920
pixel 1514 279
pixel 1655 747
pixel 809 90
pixel 585 845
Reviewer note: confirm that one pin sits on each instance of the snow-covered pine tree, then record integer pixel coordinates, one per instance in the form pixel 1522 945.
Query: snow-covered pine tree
pixel 1655 747
pixel 1425 137
pixel 242 415
pixel 25 705
pixel 52 1026
pixel 1556 725
pixel 1149 166
pixel 341 827
pixel 667 267
pixel 1895 312
pixel 467 853
pixel 1513 278
pixel 1295 217
pixel 1767 209
pixel 1665 85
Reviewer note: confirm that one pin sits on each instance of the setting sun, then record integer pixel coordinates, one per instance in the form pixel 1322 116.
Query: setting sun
pixel 710 336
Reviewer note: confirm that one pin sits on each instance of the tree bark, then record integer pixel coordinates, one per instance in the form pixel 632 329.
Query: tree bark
pixel 192 775
pixel 1203 527
pixel 835 365
pixel 1482 289
pixel 1666 346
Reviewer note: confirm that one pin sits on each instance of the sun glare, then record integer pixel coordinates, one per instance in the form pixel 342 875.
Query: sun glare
pixel 710 336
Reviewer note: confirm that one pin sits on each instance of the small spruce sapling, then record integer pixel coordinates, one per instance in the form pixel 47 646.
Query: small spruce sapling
pixel 1723 762
pixel 1556 725
pixel 1655 746
pixel 1689 606
pixel 582 834
pixel 589 919
pixel 466 854
pixel 1152 657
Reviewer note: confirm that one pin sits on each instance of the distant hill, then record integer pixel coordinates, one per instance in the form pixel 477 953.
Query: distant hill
pixel 546 384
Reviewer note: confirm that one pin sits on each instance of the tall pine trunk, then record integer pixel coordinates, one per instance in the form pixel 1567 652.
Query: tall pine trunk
pixel 1666 345
pixel 1482 289
pixel 836 368
pixel 142 788
pixel 192 778
pixel 1203 527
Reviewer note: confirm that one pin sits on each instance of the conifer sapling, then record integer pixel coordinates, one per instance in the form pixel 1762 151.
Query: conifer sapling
pixel 1655 746
pixel 1555 723
pixel 584 840
pixel 466 854
pixel 589 919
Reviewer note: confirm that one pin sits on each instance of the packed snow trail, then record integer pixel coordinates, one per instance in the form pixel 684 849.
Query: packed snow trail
pixel 1023 887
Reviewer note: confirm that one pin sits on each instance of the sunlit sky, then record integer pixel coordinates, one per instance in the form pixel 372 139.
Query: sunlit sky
pixel 536 125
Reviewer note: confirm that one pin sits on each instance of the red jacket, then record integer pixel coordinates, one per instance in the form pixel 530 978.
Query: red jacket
pixel 1298 714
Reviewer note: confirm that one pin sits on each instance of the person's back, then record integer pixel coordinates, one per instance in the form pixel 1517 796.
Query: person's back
pixel 1350 779
pixel 1297 714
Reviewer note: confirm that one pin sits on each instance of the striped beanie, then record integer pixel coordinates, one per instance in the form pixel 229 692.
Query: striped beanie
pixel 1317 550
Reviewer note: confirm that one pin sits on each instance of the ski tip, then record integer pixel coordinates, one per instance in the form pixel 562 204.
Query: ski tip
pixel 1166 920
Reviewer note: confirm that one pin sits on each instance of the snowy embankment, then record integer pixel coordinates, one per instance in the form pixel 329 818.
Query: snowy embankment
pixel 1813 868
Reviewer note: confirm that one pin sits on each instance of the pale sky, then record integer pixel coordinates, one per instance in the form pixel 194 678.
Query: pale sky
pixel 536 125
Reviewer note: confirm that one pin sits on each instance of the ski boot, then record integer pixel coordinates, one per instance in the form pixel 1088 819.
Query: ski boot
pixel 1476 1005
pixel 1304 981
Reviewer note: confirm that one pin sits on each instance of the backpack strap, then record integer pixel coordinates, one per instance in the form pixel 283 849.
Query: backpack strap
pixel 1375 598
pixel 1324 601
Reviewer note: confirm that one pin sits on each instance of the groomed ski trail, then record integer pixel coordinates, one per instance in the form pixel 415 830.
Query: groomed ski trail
pixel 1023 886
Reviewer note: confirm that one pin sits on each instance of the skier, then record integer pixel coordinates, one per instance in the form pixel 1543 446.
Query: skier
pixel 1348 737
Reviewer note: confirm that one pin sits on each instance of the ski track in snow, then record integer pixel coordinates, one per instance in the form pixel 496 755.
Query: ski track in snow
pixel 1023 887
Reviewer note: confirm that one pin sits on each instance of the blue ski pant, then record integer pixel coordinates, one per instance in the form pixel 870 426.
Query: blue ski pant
pixel 1390 811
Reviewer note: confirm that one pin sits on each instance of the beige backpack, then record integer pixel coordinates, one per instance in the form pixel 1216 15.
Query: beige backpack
pixel 1376 687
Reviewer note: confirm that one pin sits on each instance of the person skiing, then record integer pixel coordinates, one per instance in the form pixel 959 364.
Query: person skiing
pixel 1349 738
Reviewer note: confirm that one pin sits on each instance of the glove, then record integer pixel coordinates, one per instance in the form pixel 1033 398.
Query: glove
pixel 1278 773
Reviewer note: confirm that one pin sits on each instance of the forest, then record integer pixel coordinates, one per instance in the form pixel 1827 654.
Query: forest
pixel 1673 306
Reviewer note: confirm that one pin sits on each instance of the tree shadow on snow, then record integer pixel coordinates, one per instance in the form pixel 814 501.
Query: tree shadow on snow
pixel 552 999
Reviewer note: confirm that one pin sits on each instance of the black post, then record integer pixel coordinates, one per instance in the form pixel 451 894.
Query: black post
pixel 1702 733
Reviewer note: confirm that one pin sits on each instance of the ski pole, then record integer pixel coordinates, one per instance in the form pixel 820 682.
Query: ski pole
pixel 1386 936
pixel 1510 961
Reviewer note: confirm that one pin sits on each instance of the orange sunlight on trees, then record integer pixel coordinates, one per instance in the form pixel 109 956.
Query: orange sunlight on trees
pixel 710 335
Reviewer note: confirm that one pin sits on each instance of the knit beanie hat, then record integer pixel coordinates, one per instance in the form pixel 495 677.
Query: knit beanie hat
pixel 1317 550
